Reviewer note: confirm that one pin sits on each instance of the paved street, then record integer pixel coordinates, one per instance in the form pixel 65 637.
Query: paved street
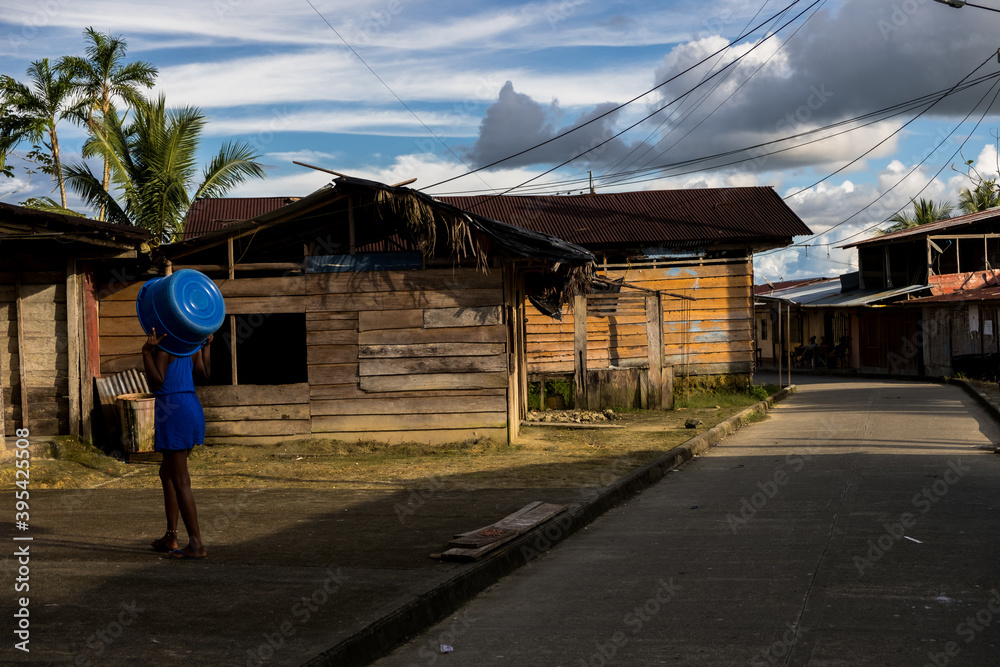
pixel 857 524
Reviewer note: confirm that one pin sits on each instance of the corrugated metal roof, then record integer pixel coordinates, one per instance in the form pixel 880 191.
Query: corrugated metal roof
pixel 517 240
pixel 45 220
pixel 930 228
pixel 647 216
pixel 673 217
pixel 830 293
pixel 981 294
pixel 804 292
pixel 208 215
pixel 787 284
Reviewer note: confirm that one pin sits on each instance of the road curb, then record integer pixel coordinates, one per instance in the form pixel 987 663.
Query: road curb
pixel 382 636
pixel 988 402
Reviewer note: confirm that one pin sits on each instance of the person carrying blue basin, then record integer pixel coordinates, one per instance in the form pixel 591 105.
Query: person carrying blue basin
pixel 180 425
pixel 188 307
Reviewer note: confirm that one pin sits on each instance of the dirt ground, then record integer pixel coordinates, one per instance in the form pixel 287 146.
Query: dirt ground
pixel 550 455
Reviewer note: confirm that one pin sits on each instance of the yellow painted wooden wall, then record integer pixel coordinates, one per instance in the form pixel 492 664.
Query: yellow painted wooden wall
pixel 391 356
pixel 710 335
pixel 44 352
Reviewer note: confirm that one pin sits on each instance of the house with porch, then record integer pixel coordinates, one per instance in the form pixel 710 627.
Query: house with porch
pixel 923 301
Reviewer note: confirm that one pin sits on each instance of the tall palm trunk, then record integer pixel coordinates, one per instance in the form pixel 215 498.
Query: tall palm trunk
pixel 56 163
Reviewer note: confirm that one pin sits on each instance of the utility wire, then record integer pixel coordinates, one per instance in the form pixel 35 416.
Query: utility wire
pixel 618 134
pixel 690 111
pixel 740 87
pixel 393 93
pixel 629 177
pixel 907 175
pixel 624 104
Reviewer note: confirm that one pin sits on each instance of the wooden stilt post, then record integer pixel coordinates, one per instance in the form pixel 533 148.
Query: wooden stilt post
pixel 73 344
pixel 788 338
pixel 232 318
pixel 654 350
pixel 22 356
pixel 781 346
pixel 580 351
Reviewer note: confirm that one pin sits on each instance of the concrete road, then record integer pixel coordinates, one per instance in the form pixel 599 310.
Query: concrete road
pixel 857 525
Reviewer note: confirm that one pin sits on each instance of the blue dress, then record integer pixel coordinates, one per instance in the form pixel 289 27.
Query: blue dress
pixel 180 421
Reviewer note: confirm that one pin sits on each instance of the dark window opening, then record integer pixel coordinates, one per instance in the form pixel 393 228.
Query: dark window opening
pixel 270 349
pixel 947 261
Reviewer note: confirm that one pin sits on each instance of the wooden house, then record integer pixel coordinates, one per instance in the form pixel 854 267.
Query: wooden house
pixel 691 248
pixel 924 301
pixel 48 314
pixel 947 322
pixel 362 311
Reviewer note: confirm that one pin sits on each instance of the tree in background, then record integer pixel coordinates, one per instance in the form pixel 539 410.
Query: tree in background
pixel 924 211
pixel 979 198
pixel 153 164
pixel 101 78
pixel 32 114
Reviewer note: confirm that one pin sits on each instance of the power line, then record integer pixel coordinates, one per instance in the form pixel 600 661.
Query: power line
pixel 623 105
pixel 912 170
pixel 393 93
pixel 647 117
pixel 690 111
pixel 880 115
pixel 728 97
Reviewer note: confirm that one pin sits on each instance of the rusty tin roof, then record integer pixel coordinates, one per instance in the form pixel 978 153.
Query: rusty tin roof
pixel 209 215
pixel 705 215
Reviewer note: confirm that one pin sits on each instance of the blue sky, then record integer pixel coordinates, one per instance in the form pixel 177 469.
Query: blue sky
pixel 396 89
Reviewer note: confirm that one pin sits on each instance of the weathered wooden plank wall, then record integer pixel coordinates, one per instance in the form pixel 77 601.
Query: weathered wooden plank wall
pixel 247 414
pixel 391 356
pixel 708 336
pixel 39 353
pixel 407 355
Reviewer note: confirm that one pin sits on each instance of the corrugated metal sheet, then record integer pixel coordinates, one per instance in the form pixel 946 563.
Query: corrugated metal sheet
pixel 111 387
pixel 930 228
pixel 209 215
pixel 674 217
pixel 981 294
pixel 830 293
pixel 774 288
pixel 709 215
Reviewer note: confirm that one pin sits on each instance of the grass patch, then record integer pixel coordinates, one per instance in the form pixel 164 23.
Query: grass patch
pixel 726 398
pixel 543 457
pixel 66 462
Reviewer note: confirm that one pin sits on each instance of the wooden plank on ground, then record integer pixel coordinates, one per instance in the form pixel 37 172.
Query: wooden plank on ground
pixel 473 545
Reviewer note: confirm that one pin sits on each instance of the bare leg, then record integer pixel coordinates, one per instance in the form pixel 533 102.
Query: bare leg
pixel 179 478
pixel 169 540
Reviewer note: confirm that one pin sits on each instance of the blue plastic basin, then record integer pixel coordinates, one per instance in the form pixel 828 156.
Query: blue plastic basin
pixel 186 306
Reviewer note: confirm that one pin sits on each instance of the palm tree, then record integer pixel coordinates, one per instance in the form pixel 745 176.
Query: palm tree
pixel 102 77
pixel 924 211
pixel 152 161
pixel 32 113
pixel 985 195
